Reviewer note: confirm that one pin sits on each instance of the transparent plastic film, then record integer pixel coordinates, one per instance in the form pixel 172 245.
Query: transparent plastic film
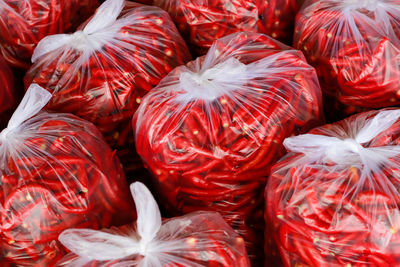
pixel 24 23
pixel 56 172
pixel 102 71
pixel 198 239
pixel 354 46
pixel 333 200
pixel 201 22
pixel 211 129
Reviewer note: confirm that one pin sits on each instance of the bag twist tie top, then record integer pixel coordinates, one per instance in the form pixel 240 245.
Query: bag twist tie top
pixel 34 100
pixel 211 83
pixel 98 30
pixel 349 151
pixel 151 243
pixel 102 246
pixel 370 5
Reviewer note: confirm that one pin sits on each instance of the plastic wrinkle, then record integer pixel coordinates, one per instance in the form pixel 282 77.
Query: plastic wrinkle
pixel 201 22
pixel 333 200
pixel 57 172
pixel 101 72
pixel 24 23
pixel 198 239
pixel 355 48
pixel 210 130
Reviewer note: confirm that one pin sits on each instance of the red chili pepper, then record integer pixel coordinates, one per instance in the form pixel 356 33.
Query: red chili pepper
pixel 215 154
pixel 107 87
pixel 61 175
pixel 326 214
pixel 203 239
pixel 203 22
pixel 355 52
pixel 25 23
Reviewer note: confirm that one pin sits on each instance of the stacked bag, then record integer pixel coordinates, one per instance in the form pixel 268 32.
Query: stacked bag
pixel 102 71
pixel 57 172
pixel 218 109
pixel 354 47
pixel 201 22
pixel 24 23
pixel 196 239
pixel 210 131
pixel 333 200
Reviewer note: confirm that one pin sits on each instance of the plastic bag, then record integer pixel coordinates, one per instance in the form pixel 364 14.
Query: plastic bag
pixel 334 200
pixel 355 48
pixel 23 23
pixel 210 130
pixel 101 71
pixel 56 172
pixel 203 21
pixel 8 97
pixel 197 239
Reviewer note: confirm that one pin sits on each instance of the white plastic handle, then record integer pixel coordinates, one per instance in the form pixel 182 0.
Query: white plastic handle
pixel 34 100
pixel 104 17
pixel 102 246
pixel 349 151
pixel 210 83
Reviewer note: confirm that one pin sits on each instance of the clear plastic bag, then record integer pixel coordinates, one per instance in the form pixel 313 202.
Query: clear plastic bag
pixel 210 130
pixel 203 21
pixel 334 200
pixel 198 239
pixel 101 71
pixel 8 95
pixel 57 172
pixel 23 23
pixel 355 48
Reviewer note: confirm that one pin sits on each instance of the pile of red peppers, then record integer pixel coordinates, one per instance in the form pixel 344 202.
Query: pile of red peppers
pixel 104 85
pixel 201 239
pixel 355 48
pixel 57 172
pixel 339 207
pixel 210 131
pixel 201 22
pixel 125 95
pixel 24 23
pixel 208 242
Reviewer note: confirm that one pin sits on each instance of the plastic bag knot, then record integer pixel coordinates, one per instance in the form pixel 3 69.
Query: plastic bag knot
pixel 353 145
pixel 211 83
pixel 370 5
pixel 3 134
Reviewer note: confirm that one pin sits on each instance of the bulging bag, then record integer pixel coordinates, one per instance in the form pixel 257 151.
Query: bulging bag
pixel 24 23
pixel 355 48
pixel 203 21
pixel 210 130
pixel 8 94
pixel 334 199
pixel 101 72
pixel 57 172
pixel 198 239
